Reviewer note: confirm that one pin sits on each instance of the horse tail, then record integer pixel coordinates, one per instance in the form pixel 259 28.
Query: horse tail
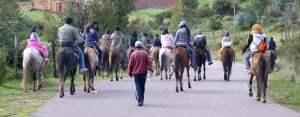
pixel 27 63
pixel 176 61
pixel 228 62
pixel 63 64
pixel 163 64
pixel 262 72
pixel 112 60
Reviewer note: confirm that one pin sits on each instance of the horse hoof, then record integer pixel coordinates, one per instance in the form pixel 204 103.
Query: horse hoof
pixel 176 90
pixel 257 99
pixel 199 79
pixel 121 78
pixel 250 94
pixel 61 96
pixel 195 80
pixel 181 89
pixel 190 87
pixel 111 80
pixel 264 101
pixel 72 93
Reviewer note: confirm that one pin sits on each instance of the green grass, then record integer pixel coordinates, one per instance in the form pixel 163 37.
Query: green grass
pixel 14 103
pixel 202 2
pixel 284 92
pixel 35 15
pixel 147 14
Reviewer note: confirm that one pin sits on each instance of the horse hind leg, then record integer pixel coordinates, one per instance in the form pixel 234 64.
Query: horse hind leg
pixel 250 86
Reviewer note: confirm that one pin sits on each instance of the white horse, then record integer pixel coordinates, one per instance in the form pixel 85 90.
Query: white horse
pixel 165 58
pixel 34 63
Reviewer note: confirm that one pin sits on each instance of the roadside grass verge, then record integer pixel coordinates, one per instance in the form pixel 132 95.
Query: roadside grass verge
pixel 284 92
pixel 16 104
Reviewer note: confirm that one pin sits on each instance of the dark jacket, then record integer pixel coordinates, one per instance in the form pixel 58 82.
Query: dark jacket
pixel 157 42
pixel 272 45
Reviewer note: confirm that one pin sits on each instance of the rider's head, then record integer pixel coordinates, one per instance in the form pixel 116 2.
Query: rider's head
pixel 145 34
pixel 138 44
pixel 256 28
pixel 199 31
pixel 182 24
pixel 118 28
pixel 165 31
pixel 68 20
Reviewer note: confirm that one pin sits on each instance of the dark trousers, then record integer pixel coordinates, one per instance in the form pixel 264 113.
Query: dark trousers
pixel 140 81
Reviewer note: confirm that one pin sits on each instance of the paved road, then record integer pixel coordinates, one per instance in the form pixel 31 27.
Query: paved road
pixel 209 98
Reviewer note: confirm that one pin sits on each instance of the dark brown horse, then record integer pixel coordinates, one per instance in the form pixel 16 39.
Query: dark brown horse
pixel 91 61
pixel 67 62
pixel 272 58
pixel 200 59
pixel 259 68
pixel 181 60
pixel 227 58
pixel 155 57
pixel 116 60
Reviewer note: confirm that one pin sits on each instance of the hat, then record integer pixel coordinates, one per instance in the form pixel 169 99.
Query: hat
pixel 256 28
pixel 182 23
pixel 199 31
pixel 138 44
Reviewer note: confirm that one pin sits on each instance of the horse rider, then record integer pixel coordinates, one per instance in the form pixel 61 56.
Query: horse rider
pixel 67 36
pixel 146 41
pixel 167 40
pixel 183 36
pixel 132 40
pixel 254 39
pixel 226 41
pixel 156 42
pixel 92 38
pixel 272 47
pixel 200 42
pixel 105 40
pixel 118 42
pixel 34 41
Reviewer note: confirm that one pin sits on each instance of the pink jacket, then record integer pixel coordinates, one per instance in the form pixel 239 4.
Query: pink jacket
pixel 167 40
pixel 34 43
pixel 139 62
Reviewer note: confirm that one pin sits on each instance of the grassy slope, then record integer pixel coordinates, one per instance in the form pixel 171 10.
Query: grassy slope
pixel 148 14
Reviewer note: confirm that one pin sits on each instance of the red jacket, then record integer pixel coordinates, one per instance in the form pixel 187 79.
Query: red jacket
pixel 139 62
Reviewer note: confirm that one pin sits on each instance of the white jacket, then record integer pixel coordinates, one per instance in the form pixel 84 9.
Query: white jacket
pixel 257 38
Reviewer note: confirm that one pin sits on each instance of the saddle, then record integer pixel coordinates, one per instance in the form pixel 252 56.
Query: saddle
pixel 180 45
pixel 93 47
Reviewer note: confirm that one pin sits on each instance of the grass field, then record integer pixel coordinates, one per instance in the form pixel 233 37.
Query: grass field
pixel 35 15
pixel 13 103
pixel 147 14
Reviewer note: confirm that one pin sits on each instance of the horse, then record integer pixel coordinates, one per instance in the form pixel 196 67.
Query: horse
pixel 155 59
pixel 67 62
pixel 181 60
pixel 165 57
pixel 116 59
pixel 91 61
pixel 200 59
pixel 227 58
pixel 272 57
pixel 259 68
pixel 105 47
pixel 34 63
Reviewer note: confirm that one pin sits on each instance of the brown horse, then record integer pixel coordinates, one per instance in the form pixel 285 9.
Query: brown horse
pixel 272 58
pixel 91 61
pixel 200 59
pixel 259 68
pixel 155 57
pixel 181 60
pixel 67 62
pixel 116 60
pixel 227 58
pixel 105 46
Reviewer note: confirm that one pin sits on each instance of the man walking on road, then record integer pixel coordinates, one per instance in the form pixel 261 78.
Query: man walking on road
pixel 138 65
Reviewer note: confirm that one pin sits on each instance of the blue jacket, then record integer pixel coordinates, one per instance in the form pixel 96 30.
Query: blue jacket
pixel 157 42
pixel 181 37
pixel 92 36
pixel 272 45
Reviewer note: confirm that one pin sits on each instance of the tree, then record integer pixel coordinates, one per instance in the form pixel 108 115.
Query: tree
pixel 214 25
pixel 189 10
pixel 8 27
pixel 259 7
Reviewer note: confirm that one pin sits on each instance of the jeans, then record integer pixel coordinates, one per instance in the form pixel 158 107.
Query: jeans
pixel 81 57
pixel 140 81
pixel 208 54
pixel 248 56
pixel 192 53
pixel 125 58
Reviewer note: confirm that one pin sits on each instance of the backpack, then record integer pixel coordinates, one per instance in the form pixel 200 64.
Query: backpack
pixel 262 46
pixel 200 42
